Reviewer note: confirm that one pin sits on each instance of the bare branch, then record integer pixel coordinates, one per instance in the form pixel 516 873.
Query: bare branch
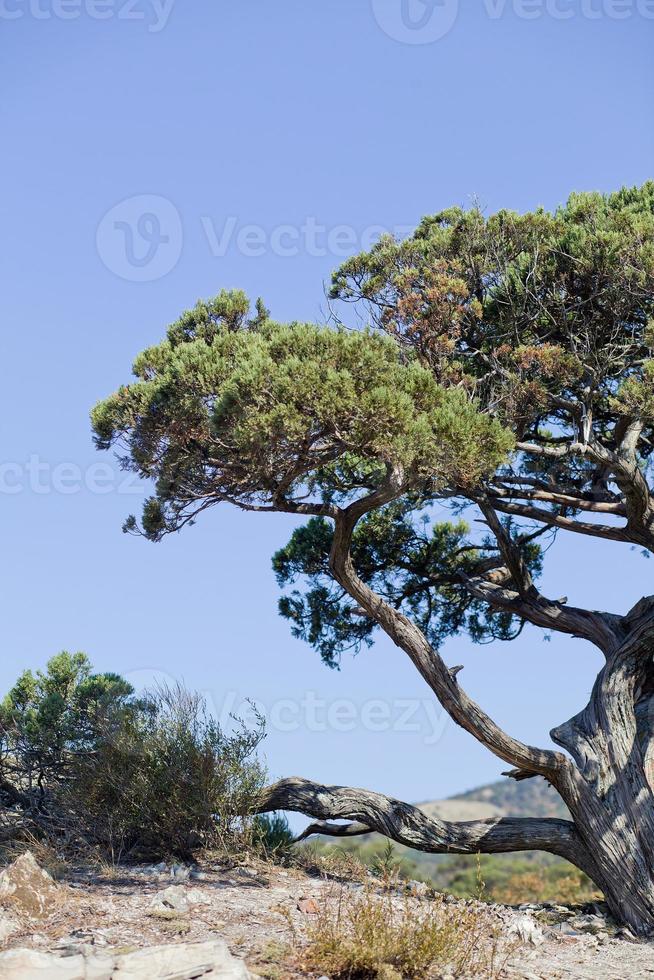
pixel 510 551
pixel 409 825
pixel 558 520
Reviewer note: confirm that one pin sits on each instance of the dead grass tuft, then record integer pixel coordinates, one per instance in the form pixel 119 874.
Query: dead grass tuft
pixel 372 936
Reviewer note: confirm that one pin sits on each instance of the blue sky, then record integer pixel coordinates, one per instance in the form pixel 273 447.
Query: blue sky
pixel 156 152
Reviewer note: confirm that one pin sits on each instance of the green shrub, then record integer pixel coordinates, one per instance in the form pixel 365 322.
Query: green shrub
pixel 52 719
pixel 272 834
pixel 84 763
pixel 169 781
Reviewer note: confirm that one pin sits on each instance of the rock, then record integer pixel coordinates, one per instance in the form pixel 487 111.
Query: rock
pixel 588 923
pixel 177 898
pixel 173 897
pixel 524 928
pixel 7 927
pixel 418 887
pixel 182 961
pixel 30 964
pixel 308 905
pixel 195 896
pixel 26 888
pixel 180 872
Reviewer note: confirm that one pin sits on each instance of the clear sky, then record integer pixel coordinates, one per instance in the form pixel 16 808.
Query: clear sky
pixel 154 152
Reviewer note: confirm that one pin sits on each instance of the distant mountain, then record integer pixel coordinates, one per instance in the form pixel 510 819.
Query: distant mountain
pixel 505 798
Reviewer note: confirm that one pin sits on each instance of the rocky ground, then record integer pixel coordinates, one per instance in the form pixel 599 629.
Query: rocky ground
pixel 239 921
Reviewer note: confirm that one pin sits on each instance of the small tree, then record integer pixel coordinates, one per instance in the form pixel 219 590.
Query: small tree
pixel 52 719
pixel 510 369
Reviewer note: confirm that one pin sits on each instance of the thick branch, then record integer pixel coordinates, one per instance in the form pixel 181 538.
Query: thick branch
pixel 462 709
pixel 410 826
pixel 600 628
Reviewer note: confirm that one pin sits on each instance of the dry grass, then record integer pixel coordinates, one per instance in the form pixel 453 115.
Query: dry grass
pixel 45 854
pixel 337 864
pixel 372 936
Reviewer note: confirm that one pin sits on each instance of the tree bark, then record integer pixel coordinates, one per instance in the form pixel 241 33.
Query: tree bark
pixel 609 791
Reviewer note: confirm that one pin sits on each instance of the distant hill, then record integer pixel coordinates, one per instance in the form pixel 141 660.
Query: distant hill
pixel 505 798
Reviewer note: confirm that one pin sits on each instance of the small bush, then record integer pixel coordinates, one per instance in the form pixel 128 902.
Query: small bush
pixel 51 719
pixel 372 937
pixel 168 781
pixel 85 764
pixel 272 835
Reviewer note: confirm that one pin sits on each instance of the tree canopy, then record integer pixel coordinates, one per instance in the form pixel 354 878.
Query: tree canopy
pixel 531 333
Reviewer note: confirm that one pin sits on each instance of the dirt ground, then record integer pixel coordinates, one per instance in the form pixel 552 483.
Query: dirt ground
pixel 262 912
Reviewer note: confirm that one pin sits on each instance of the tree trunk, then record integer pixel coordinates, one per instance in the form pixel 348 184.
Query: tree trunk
pixel 609 792
pixel 612 832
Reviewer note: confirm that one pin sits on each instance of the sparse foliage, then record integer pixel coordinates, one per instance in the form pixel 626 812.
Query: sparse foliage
pixel 170 781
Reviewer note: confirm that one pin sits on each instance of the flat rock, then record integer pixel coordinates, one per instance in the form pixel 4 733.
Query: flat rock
pixel 525 929
pixel 172 898
pixel 27 889
pixel 182 961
